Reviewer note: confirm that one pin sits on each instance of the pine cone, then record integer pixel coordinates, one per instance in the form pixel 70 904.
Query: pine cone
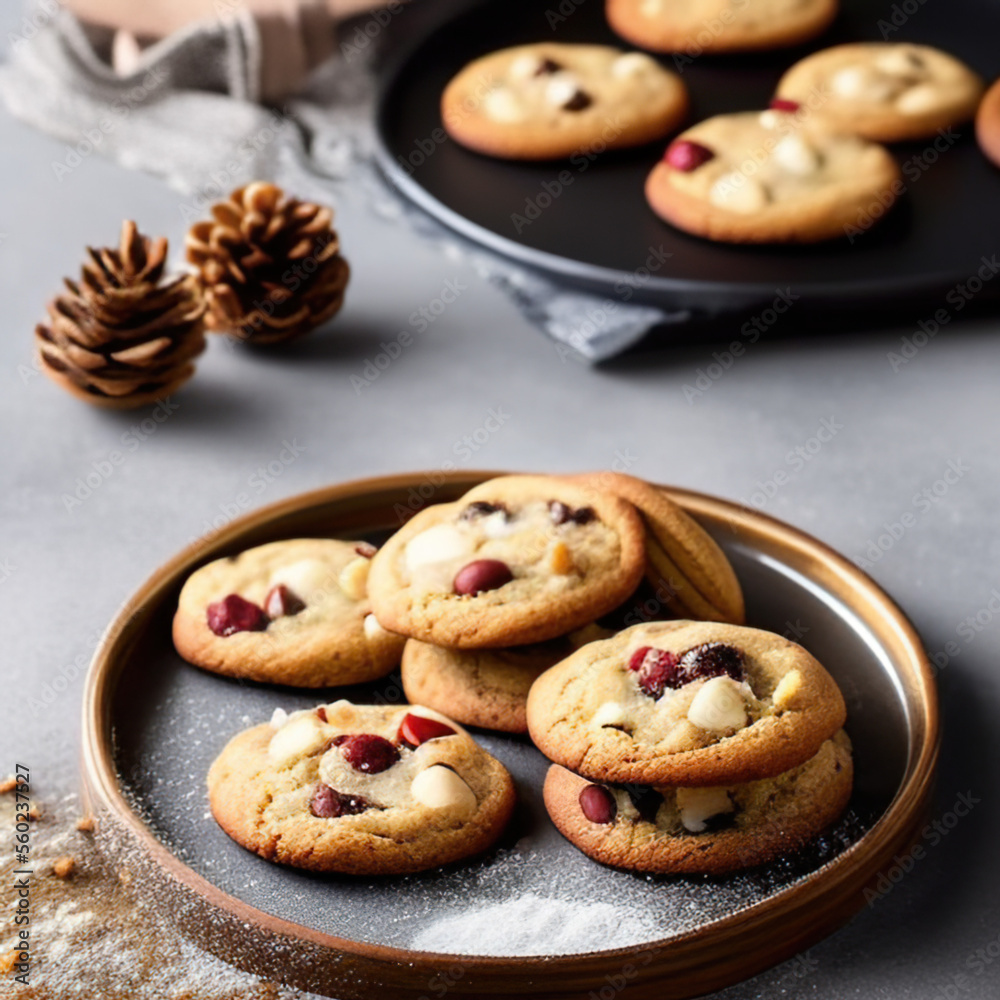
pixel 120 338
pixel 270 264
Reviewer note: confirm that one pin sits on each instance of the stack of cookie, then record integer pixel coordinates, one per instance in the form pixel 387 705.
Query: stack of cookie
pixel 685 747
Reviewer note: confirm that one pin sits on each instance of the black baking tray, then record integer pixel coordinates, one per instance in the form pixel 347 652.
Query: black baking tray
pixel 598 235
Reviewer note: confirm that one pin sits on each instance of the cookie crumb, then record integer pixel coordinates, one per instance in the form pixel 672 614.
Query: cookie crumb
pixel 34 813
pixel 85 824
pixel 64 867
pixel 7 785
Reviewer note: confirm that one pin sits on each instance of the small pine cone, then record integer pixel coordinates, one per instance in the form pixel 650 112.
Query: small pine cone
pixel 270 264
pixel 123 338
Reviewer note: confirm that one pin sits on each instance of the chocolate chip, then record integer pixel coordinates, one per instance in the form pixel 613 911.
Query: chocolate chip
pixel 547 66
pixel 282 602
pixel 482 508
pixel 562 513
pixel 328 803
pixel 711 659
pixel 646 800
pixel 598 804
pixel 578 101
pixel 321 714
pixel 480 575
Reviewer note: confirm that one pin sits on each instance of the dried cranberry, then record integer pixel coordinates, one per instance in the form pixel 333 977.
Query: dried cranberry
pixel 480 575
pixel 281 601
pixel 482 508
pixel 657 670
pixel 417 729
pixel 562 513
pixel 328 803
pixel 711 659
pixel 234 614
pixel 783 104
pixel 367 752
pixel 321 713
pixel 598 804
pixel 685 155
pixel 365 549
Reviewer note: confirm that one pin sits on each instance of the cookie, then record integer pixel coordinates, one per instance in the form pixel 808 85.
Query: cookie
pixel 550 100
pixel 518 560
pixel 775 176
pixel 688 571
pixel 484 687
pixel 684 703
pixel 360 789
pixel 885 91
pixel 697 26
pixel 293 612
pixel 988 124
pixel 710 830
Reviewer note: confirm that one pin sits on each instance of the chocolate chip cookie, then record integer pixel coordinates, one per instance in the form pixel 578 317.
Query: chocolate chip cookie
pixel 360 789
pixel 711 830
pixel 518 560
pixel 551 100
pixel 776 176
pixel 886 91
pixel 294 612
pixel 685 703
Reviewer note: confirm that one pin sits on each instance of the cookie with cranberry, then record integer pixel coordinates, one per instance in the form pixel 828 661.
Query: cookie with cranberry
pixel 707 830
pixel 687 570
pixel 550 100
pixel 360 789
pixel 703 26
pixel 775 176
pixel 988 124
pixel 484 687
pixel 293 612
pixel 886 91
pixel 517 560
pixel 685 703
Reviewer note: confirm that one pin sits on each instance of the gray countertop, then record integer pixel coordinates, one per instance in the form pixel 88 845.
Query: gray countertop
pixel 480 388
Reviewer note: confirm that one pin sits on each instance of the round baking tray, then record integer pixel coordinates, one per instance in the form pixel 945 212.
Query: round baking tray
pixel 152 724
pixel 590 226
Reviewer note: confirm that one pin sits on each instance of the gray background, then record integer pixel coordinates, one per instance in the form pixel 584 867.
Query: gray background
pixel 65 568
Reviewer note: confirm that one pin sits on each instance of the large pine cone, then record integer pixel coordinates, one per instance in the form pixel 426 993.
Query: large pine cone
pixel 270 264
pixel 122 338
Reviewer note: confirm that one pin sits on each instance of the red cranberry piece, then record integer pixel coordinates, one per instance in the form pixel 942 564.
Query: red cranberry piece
pixel 782 104
pixel 711 659
pixel 683 154
pixel 482 508
pixel 233 614
pixel 281 602
pixel 598 804
pixel 365 549
pixel 480 575
pixel 328 803
pixel 417 729
pixel 657 670
pixel 562 513
pixel 367 752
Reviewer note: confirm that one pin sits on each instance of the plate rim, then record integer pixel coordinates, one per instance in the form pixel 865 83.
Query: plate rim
pixel 835 885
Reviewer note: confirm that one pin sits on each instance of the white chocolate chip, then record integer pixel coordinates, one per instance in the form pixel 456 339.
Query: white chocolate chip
pixel 496 525
pixel 301 736
pixel 278 718
pixel 786 689
pixel 610 713
pixel 652 8
pixel 561 89
pixel 524 67
pixel 697 805
pixel 738 193
pixel 919 100
pixel 771 118
pixel 373 628
pixel 901 61
pixel 502 105
pixel 354 578
pixel 439 787
pixel 718 706
pixel 309 579
pixel 438 544
pixel 861 83
pixel 632 64
pixel 796 156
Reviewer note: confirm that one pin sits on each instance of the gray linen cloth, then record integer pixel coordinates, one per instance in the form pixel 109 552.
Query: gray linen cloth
pixel 188 112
